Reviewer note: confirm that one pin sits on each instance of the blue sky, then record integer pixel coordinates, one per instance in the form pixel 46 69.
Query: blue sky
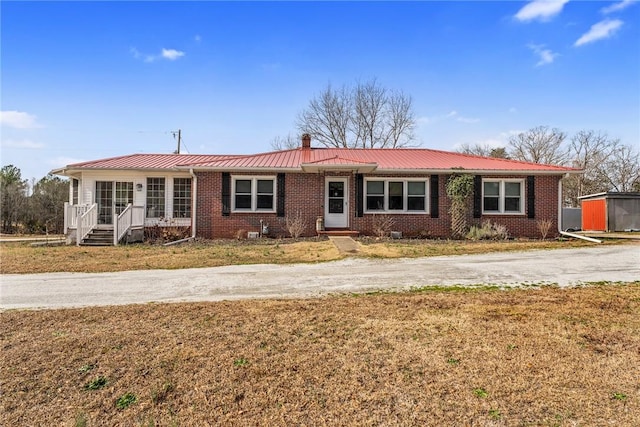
pixel 88 80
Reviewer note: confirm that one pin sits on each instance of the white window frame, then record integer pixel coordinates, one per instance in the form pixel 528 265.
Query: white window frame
pixel 164 197
pixel 502 196
pixel 405 196
pixel 254 193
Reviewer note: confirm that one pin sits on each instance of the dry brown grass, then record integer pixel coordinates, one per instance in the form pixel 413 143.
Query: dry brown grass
pixel 20 258
pixel 23 258
pixel 547 357
pixel 421 248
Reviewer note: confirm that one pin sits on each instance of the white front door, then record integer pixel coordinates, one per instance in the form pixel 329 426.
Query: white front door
pixel 336 198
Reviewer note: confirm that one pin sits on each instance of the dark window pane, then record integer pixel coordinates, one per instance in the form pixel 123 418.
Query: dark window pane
pixel 336 206
pixel 265 201
pixel 396 203
pixel 395 189
pixel 336 189
pixel 243 186
pixel 491 188
pixel 415 204
pixel 265 186
pixel 416 188
pixel 512 189
pixel 491 204
pixel 243 201
pixel 375 187
pixel 375 203
pixel 512 204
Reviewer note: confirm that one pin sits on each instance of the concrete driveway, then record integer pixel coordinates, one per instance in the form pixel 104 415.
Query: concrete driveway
pixel 564 267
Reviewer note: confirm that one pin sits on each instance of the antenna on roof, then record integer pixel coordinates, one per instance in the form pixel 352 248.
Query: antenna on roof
pixel 177 133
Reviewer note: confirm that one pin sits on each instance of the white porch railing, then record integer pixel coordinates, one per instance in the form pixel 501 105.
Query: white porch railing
pixel 122 224
pixel 71 214
pixel 131 216
pixel 86 222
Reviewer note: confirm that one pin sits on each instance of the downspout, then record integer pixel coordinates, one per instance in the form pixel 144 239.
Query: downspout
pixel 566 175
pixel 564 233
pixel 194 202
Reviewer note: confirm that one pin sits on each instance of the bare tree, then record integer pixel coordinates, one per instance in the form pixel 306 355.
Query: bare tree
pixel 365 116
pixel 401 121
pixel 328 117
pixel 588 150
pixel 285 143
pixel 484 150
pixel 539 145
pixel 621 170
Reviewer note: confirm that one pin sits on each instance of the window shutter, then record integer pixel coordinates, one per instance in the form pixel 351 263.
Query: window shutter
pixel 359 195
pixel 477 196
pixel 531 196
pixel 434 192
pixel 226 193
pixel 280 204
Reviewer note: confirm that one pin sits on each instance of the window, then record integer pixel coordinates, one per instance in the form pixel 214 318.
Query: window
pixel 396 195
pixel 124 196
pixel 75 190
pixel 182 197
pixel 252 194
pixel 502 196
pixel 155 198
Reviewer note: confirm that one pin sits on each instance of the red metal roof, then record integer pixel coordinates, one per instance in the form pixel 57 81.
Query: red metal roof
pixel 145 161
pixel 413 159
pixel 386 159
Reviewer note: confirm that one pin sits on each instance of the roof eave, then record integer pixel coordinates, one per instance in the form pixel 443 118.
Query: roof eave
pixel 355 168
pixel 480 171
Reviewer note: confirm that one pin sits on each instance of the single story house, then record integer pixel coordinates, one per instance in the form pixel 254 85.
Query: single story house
pixel 223 196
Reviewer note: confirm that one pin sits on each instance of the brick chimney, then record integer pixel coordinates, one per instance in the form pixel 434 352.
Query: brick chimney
pixel 306 140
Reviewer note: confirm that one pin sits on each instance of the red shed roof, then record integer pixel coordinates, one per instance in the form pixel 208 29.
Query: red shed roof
pixel 319 159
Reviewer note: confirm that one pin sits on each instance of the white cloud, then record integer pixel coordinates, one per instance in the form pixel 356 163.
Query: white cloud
pixel 617 7
pixel 172 54
pixel 545 56
pixel 197 38
pixel 18 120
pixel 542 10
pixel 168 54
pixel 453 114
pixel 601 30
pixel 24 143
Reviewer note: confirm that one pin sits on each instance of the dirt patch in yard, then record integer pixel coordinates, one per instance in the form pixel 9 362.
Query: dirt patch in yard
pixel 463 357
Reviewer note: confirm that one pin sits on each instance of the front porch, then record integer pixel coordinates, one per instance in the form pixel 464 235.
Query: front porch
pixel 82 225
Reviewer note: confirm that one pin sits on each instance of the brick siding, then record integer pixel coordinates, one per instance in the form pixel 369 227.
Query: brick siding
pixel 304 193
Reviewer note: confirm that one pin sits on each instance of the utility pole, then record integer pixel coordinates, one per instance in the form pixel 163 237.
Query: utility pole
pixel 179 134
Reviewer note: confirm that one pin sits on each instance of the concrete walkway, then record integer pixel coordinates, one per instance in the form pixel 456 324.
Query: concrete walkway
pixel 563 267
pixel 345 244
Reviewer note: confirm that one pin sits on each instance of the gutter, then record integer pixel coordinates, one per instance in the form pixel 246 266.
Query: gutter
pixel 194 202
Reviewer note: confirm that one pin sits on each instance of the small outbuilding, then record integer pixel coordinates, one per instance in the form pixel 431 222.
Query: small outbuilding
pixel 611 211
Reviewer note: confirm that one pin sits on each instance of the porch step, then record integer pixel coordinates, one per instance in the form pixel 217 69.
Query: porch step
pixel 339 232
pixel 98 237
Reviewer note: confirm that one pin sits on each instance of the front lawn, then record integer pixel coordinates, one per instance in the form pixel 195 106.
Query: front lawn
pixel 23 258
